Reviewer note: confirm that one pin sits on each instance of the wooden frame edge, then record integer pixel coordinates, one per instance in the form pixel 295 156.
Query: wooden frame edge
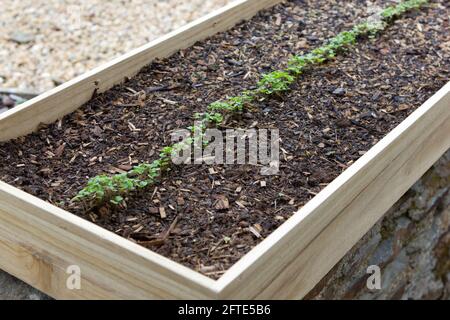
pixel 301 251
pixel 117 268
pixel 39 242
pixel 21 240
pixel 46 271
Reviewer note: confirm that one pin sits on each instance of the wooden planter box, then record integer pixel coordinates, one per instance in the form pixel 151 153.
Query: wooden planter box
pixel 39 241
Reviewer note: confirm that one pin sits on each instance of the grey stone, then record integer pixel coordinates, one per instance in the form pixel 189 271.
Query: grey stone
pixel 14 289
pixel 393 276
pixel 383 254
pixel 369 247
pixel 21 37
pixel 407 254
pixel 339 92
pixel 423 283
pixel 8 101
pixel 403 227
pixel 402 206
pixel 3 109
pixel 402 223
pixel 416 214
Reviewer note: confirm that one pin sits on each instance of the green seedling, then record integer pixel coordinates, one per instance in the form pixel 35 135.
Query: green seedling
pixel 275 82
pixel 395 11
pixel 103 188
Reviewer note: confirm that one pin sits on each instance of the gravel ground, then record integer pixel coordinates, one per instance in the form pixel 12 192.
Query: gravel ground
pixel 46 42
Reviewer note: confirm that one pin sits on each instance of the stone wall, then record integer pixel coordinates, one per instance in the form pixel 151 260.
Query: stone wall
pixel 14 289
pixel 410 244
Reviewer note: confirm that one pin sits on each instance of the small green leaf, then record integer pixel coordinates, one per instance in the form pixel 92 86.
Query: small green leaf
pixel 117 200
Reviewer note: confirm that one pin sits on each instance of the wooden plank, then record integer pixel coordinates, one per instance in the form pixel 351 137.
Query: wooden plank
pixel 66 98
pixel 298 254
pixel 38 242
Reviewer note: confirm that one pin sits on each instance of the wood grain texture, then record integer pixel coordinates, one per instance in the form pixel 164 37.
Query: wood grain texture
pixel 298 254
pixel 66 98
pixel 38 242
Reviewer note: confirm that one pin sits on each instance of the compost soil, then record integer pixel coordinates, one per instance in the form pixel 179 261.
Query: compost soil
pixel 208 216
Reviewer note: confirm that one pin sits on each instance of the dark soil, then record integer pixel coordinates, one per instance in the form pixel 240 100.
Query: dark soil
pixel 216 214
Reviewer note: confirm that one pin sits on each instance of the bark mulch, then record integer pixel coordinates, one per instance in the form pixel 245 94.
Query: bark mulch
pixel 216 214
